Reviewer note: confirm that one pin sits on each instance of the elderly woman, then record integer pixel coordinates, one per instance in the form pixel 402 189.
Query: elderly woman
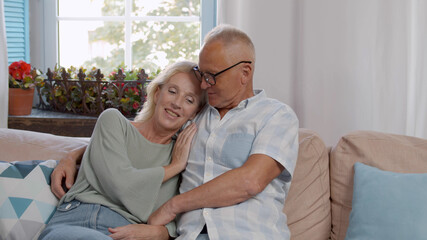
pixel 129 169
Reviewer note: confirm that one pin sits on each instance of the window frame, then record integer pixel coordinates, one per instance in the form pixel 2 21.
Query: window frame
pixel 49 57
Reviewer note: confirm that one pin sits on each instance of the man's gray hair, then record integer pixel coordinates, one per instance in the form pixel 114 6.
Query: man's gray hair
pixel 229 35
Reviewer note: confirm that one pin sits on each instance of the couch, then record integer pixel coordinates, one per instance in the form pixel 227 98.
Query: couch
pixel 319 202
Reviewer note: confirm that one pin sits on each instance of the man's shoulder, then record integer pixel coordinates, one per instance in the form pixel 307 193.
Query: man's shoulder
pixel 261 100
pixel 273 106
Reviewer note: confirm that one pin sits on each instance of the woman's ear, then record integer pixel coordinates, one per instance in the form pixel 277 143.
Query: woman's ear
pixel 156 94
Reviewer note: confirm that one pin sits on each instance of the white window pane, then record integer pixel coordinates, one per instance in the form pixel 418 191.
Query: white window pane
pixel 91 8
pixel 91 43
pixel 158 44
pixel 166 8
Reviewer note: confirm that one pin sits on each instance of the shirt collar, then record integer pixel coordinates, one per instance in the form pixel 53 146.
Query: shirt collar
pixel 258 94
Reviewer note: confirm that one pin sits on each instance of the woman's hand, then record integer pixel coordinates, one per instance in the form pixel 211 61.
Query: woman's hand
pixel 66 169
pixel 180 152
pixel 182 146
pixel 139 231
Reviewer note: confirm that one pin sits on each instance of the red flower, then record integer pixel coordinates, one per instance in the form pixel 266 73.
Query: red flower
pixel 135 105
pixel 16 74
pixel 19 70
pixel 136 90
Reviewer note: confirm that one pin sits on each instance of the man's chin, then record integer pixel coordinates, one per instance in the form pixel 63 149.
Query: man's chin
pixel 213 101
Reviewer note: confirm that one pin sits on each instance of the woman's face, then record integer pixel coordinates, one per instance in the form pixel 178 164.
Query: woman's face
pixel 177 101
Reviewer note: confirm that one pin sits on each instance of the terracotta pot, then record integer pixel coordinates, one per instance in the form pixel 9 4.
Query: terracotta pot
pixel 20 101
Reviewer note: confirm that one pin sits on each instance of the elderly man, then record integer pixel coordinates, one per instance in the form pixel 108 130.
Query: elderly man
pixel 243 155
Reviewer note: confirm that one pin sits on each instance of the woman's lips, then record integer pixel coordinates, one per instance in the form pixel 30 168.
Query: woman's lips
pixel 172 113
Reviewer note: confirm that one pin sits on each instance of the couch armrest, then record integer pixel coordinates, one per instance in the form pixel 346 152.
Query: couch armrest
pixel 307 205
pixel 22 145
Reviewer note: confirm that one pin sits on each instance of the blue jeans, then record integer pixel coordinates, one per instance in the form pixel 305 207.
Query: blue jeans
pixel 77 220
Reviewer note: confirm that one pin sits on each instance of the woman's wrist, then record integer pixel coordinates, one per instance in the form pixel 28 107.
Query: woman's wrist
pixel 171 170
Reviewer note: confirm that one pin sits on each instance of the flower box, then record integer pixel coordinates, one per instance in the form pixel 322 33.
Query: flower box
pixel 89 94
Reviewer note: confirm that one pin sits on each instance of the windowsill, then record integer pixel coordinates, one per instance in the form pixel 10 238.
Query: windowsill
pixel 64 124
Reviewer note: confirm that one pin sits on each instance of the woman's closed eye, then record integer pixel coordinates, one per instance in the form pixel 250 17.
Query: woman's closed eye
pixel 190 100
pixel 172 90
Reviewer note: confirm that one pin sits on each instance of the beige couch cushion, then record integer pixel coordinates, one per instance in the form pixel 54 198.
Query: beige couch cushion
pixel 388 152
pixel 21 145
pixel 307 205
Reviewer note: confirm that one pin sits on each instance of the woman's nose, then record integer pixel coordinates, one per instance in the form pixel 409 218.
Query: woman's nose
pixel 177 104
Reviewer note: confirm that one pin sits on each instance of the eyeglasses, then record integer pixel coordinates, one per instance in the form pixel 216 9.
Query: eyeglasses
pixel 210 77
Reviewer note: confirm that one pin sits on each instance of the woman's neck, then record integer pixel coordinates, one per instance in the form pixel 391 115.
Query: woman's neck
pixel 153 132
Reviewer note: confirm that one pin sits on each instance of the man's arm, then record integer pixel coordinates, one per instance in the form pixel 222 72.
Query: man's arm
pixel 139 231
pixel 228 189
pixel 66 169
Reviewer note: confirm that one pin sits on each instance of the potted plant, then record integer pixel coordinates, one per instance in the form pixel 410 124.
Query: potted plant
pixel 22 81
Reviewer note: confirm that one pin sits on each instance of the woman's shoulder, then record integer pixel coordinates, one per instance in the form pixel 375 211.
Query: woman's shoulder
pixel 111 112
pixel 111 115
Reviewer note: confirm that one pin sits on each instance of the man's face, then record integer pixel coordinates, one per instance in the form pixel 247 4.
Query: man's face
pixel 225 93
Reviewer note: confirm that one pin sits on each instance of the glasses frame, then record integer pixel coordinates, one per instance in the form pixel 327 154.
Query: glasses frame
pixel 213 75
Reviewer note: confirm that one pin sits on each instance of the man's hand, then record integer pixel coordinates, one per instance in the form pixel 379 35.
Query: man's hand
pixel 66 169
pixel 163 215
pixel 139 231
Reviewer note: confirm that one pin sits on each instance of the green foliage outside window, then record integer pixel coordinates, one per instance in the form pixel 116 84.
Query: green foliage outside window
pixel 173 40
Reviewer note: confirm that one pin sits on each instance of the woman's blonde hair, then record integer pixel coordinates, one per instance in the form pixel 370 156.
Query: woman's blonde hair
pixel 163 78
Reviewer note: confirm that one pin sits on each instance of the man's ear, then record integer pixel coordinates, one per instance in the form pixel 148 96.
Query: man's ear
pixel 246 73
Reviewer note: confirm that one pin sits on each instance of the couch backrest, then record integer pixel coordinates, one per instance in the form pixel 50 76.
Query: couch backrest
pixel 307 205
pixel 388 152
pixel 21 145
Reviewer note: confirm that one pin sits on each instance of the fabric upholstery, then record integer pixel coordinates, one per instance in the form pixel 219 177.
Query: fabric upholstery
pixel 26 202
pixel 307 204
pixel 387 205
pixel 389 152
pixel 21 145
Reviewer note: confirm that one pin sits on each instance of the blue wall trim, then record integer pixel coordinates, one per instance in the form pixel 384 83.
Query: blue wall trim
pixel 16 13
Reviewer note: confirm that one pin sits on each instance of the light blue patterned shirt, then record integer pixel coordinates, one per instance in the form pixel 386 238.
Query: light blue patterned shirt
pixel 258 125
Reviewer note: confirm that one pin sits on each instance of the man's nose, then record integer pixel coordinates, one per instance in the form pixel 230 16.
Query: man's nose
pixel 204 85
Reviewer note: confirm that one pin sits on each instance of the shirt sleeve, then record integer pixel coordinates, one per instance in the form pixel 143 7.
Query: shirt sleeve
pixel 114 176
pixel 278 139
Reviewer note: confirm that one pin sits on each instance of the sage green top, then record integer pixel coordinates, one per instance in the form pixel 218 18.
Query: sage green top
pixel 123 171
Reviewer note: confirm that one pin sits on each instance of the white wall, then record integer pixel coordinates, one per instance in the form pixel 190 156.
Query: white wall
pixel 43 34
pixel 342 65
pixel 4 82
pixel 268 23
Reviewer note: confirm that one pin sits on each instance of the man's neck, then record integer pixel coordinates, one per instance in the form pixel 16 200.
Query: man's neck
pixel 223 110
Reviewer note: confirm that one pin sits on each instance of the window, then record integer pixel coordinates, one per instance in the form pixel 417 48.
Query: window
pixel 147 34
